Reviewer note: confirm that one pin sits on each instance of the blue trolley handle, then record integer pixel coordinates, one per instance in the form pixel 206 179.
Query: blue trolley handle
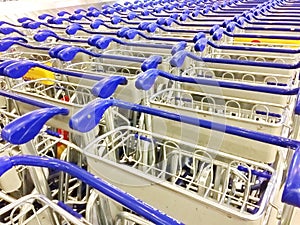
pixel 132 33
pixel 103 43
pixel 178 59
pixel 151 28
pixel 73 28
pixel 60 20
pixel 202 43
pixel 24 19
pixel 41 36
pixel 8 23
pixel 69 53
pixel 35 25
pixel 45 16
pixel 88 117
pixel 232 35
pixel 10 30
pixel 105 86
pixel 147 79
pixel 130 202
pixel 7 44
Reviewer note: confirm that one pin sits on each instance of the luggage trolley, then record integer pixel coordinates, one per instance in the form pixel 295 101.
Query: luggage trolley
pixel 11 131
pixel 203 179
pixel 60 90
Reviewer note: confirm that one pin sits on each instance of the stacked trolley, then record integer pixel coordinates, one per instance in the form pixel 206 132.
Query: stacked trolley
pixel 190 106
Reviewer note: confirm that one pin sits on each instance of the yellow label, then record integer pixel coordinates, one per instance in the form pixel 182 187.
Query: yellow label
pixel 288 43
pixel 38 73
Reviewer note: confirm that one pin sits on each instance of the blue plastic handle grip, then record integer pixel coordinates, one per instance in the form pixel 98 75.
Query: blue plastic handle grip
pixel 24 19
pixel 31 25
pixel 41 36
pixel 88 117
pixel 151 63
pixel 7 23
pixel 6 44
pixel 125 199
pixel 92 8
pixel 93 39
pixel 4 64
pixel 19 39
pixel 26 127
pixel 178 47
pixel 200 45
pixel 96 23
pixel 44 16
pixel 152 27
pixel 143 25
pixel 53 52
pixel 146 80
pixel 107 86
pixel 62 13
pixel 77 11
pixel 73 28
pixel 10 30
pixel 198 36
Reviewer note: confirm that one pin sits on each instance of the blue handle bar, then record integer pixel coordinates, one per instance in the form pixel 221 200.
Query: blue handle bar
pixel 260 36
pixel 105 87
pixel 7 44
pixel 103 43
pixel 127 200
pixel 10 30
pixel 26 127
pixel 19 39
pixel 69 53
pixel 147 79
pixel 178 59
pixel 10 24
pixel 24 19
pixel 88 117
pixel 201 44
pixel 41 36
pixel 44 16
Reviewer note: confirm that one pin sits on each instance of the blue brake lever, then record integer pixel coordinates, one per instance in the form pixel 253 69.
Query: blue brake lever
pixel 25 128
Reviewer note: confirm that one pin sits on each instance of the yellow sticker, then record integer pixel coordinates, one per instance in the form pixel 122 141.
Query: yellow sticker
pixel 39 73
pixel 288 43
